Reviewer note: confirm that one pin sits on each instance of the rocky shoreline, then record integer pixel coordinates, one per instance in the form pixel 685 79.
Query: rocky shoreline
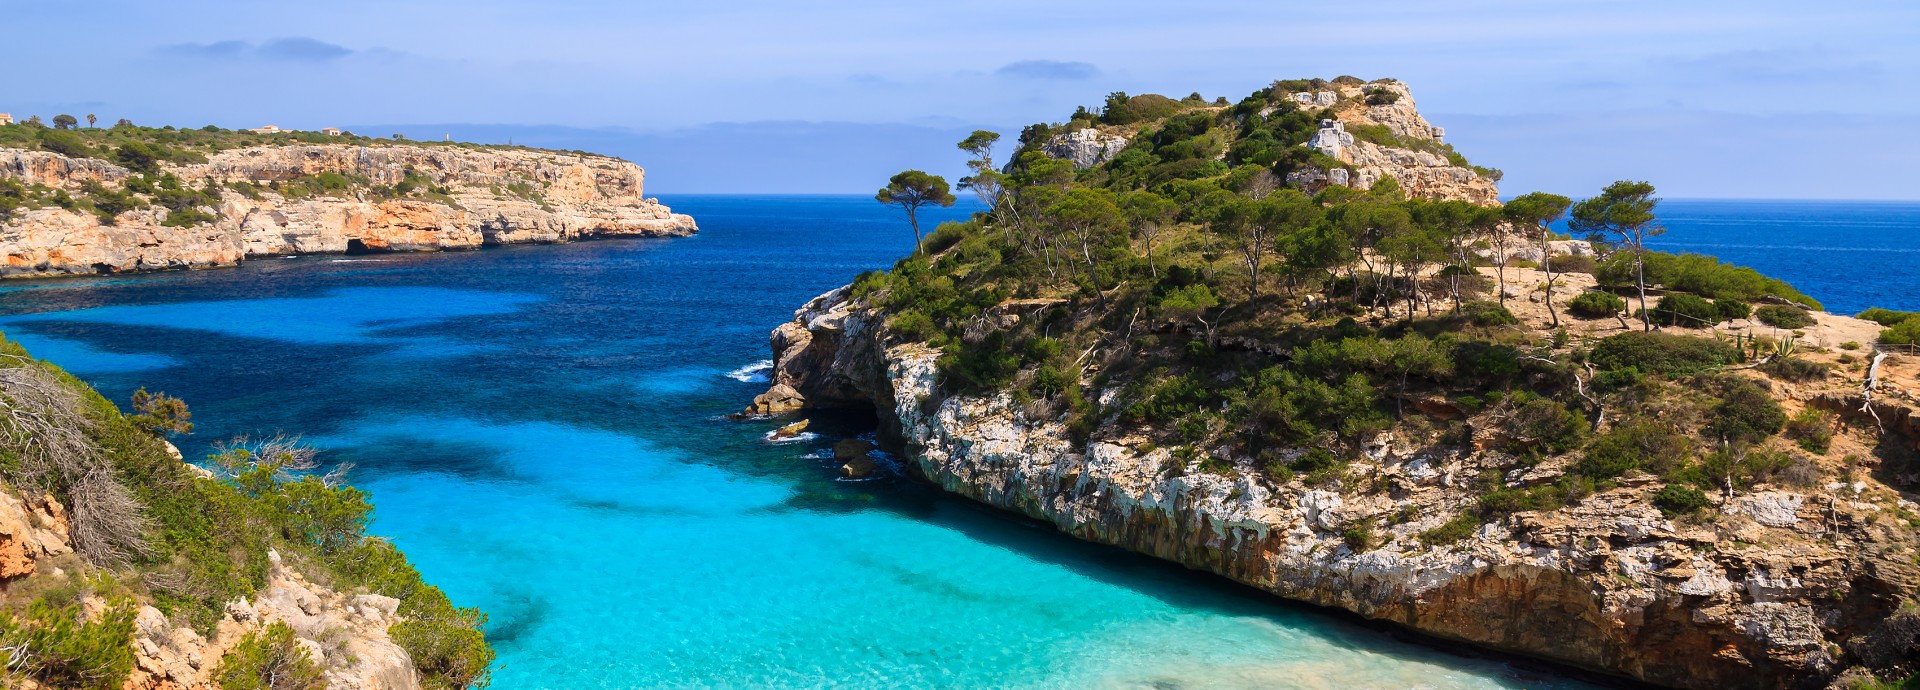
pixel 485 197
pixel 1785 590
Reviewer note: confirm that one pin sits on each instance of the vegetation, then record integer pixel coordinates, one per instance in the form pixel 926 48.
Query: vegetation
pixel 1780 316
pixel 913 190
pixel 1596 305
pixel 269 659
pixel 195 544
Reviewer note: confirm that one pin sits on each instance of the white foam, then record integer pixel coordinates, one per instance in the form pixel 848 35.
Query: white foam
pixel 757 372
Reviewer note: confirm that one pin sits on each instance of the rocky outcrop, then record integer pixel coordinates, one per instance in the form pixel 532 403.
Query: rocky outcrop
pixel 493 197
pixel 1086 147
pixel 344 634
pixel 1766 596
pixel 1415 162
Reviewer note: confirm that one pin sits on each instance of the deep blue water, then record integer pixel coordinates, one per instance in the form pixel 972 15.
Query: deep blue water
pixel 1849 255
pixel 541 430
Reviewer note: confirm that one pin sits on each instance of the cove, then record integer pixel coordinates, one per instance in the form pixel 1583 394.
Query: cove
pixel 541 429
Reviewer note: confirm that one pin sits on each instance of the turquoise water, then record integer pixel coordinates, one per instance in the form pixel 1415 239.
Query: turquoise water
pixel 541 429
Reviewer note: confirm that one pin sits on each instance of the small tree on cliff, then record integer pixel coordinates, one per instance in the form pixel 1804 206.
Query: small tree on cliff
pixel 1622 215
pixel 1536 213
pixel 64 121
pixel 912 190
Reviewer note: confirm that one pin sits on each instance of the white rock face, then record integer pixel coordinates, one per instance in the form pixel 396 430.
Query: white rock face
pixel 1085 148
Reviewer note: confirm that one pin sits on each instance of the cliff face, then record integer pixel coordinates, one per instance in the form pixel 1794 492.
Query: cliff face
pixel 1771 594
pixel 489 197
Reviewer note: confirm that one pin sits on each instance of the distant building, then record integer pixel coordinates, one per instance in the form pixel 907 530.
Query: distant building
pixel 269 129
pixel 6 119
pixel 330 131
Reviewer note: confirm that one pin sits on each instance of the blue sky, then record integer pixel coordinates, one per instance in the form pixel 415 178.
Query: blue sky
pixel 1706 99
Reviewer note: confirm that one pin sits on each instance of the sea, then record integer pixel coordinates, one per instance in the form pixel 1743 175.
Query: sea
pixel 543 430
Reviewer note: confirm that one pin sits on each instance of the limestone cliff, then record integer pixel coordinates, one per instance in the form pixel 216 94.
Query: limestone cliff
pixel 1786 588
pixel 260 203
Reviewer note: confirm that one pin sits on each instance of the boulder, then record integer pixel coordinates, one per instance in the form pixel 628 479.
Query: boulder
pixel 790 430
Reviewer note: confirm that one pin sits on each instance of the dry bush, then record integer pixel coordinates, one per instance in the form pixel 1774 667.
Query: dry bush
pixel 44 423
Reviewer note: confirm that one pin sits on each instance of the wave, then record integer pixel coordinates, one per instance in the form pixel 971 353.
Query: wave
pixel 358 261
pixel 757 372
pixel 801 437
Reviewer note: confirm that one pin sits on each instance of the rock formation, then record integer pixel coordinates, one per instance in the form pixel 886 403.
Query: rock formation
pixel 492 196
pixel 1086 148
pixel 1771 594
pixel 344 634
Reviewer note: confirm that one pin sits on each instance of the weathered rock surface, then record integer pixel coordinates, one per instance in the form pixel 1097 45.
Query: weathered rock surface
pixel 1421 174
pixel 495 197
pixel 1085 148
pixel 345 634
pixel 1766 596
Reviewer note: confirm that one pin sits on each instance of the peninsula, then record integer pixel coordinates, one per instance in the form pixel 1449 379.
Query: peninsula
pixel 1296 340
pixel 128 198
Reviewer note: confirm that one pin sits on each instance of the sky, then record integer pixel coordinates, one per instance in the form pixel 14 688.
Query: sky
pixel 1706 99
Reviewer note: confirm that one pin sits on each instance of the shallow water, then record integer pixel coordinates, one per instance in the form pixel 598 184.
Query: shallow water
pixel 541 430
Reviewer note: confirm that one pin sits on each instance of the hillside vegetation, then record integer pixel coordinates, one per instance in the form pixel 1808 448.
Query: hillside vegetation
pixel 1182 292
pixel 146 529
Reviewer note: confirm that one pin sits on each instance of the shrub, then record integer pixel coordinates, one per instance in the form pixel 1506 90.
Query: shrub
pixel 1813 429
pixel 1904 333
pixel 59 646
pixel 1486 314
pixel 1662 353
pixel 1571 263
pixel 1461 527
pixel 1781 316
pixel 1731 308
pixel 1635 445
pixel 1359 536
pixel 1746 413
pixel 1699 274
pixel 1796 369
pixel 1686 311
pixel 1593 304
pixel 269 659
pixel 1887 317
pixel 1679 499
pixel 1548 424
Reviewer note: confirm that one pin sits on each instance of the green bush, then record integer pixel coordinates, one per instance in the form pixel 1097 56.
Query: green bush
pixel 1903 333
pixel 1454 530
pixel 1796 369
pixel 1686 311
pixel 60 646
pixel 1781 316
pixel 1662 353
pixel 1593 304
pixel 269 659
pixel 1679 499
pixel 1731 308
pixel 1547 424
pixel 1888 317
pixel 1812 429
pixel 1635 445
pixel 1485 314
pixel 1698 274
pixel 1747 413
pixel 1359 536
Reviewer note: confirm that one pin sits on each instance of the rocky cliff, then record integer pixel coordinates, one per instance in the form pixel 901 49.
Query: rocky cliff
pixel 298 199
pixel 345 635
pixel 1786 587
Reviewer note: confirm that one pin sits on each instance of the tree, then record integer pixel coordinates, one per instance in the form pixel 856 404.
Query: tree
pixel 1411 248
pixel 92 120
pixel 1190 303
pixel 160 414
pixel 1622 214
pixel 1449 223
pixel 1092 219
pixel 1536 213
pixel 1491 224
pixel 1149 213
pixel 64 121
pixel 912 190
